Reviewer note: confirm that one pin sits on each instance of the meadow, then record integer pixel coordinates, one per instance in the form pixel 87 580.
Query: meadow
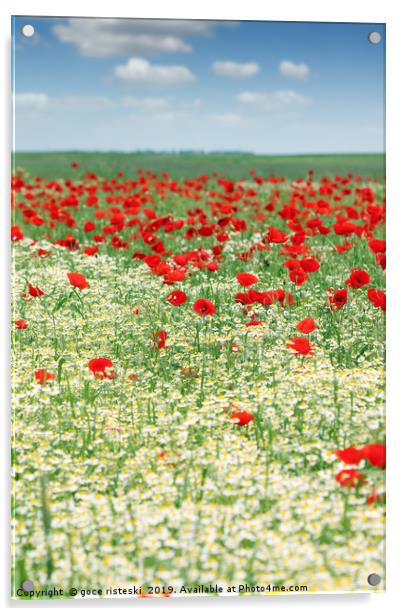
pixel 198 373
pixel 180 165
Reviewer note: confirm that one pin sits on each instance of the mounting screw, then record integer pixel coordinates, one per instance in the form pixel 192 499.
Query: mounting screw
pixel 374 38
pixel 374 579
pixel 28 30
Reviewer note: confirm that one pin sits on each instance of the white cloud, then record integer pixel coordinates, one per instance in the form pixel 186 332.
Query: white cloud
pixel 196 103
pixel 138 70
pixel 227 119
pixel 103 38
pixel 156 104
pixel 169 117
pixel 296 71
pixel 145 104
pixel 268 101
pixel 36 102
pixel 81 103
pixel 31 101
pixel 39 101
pixel 227 68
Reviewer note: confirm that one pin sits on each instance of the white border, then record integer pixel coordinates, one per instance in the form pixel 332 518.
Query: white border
pixel 287 10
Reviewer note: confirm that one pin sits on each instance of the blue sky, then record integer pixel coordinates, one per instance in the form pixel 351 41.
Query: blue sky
pixel 264 87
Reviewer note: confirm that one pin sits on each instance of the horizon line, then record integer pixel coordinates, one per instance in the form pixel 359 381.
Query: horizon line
pixel 197 152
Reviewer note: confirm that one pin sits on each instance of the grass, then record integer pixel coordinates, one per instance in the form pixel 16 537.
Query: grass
pixel 141 477
pixel 52 165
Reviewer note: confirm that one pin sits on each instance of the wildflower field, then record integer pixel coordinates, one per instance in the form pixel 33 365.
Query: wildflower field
pixel 198 381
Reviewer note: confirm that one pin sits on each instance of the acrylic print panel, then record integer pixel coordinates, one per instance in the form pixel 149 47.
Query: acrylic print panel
pixel 198 230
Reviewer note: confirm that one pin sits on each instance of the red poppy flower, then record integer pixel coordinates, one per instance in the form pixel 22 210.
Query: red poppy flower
pixel 257 296
pixel 255 323
pixel 102 368
pixel 149 213
pixel 41 252
pixel 181 260
pixel 289 300
pixel 285 299
pixel 89 226
pixel 34 291
pixel 310 265
pixel 298 276
pixel 341 248
pixel 241 418
pixel 77 280
pixel 375 497
pixel 338 298
pixel 91 250
pixel 377 298
pixel 206 231
pixel 350 455
pixel 377 246
pixel 300 346
pixel 177 298
pixel 152 260
pixel 276 236
pixel 161 269
pixel 21 324
pixel 349 478
pixel 190 233
pixel 16 233
pixel 43 377
pixel 381 260
pixel 306 326
pixel 174 276
pixel 159 339
pixel 292 264
pixel 204 307
pixel 375 454
pixel 358 278
pixel 246 280
pixel 243 298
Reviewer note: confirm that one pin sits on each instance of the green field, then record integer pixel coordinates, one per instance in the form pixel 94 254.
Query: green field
pixel 52 165
pixel 198 375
